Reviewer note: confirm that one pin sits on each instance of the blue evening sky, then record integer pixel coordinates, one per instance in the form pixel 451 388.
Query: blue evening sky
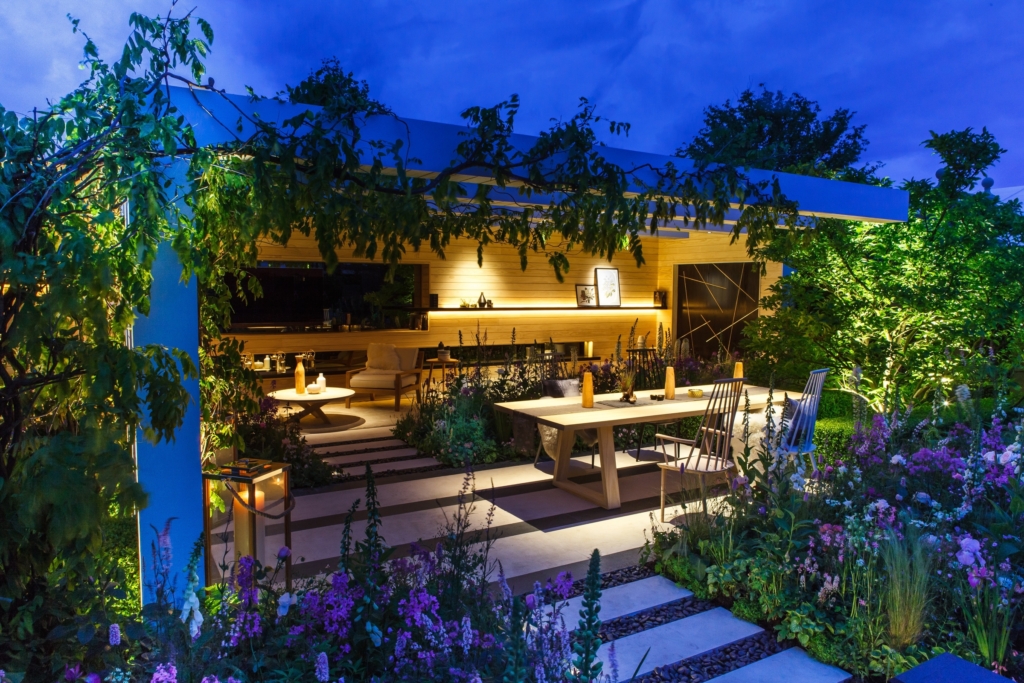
pixel 905 67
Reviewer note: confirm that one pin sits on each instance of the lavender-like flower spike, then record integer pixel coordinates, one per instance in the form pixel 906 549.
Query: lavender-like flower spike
pixel 113 636
pixel 323 673
pixel 165 673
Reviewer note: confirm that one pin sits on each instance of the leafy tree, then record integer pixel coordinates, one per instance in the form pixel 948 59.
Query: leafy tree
pixel 775 132
pixel 907 303
pixel 84 202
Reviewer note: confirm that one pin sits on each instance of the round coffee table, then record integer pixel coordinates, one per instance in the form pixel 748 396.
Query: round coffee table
pixel 311 404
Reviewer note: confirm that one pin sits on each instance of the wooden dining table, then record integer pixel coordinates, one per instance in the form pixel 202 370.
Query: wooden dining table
pixel 568 416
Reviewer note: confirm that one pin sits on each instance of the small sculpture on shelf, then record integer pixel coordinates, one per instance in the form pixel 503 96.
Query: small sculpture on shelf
pixel 482 301
pixel 443 354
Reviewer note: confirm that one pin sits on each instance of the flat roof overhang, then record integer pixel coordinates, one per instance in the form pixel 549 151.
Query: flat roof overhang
pixel 430 147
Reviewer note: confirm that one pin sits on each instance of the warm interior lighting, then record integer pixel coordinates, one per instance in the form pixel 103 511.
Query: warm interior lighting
pixel 587 390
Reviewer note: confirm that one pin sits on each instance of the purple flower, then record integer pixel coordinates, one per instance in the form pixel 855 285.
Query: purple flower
pixel 284 553
pixel 93 678
pixel 165 673
pixel 467 390
pixel 114 635
pixel 563 585
pixel 531 602
pixel 323 672
pixel 72 673
pixel 970 550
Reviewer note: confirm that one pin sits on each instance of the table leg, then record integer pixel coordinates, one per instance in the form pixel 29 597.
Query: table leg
pixel 608 498
pixel 566 439
pixel 318 412
pixel 609 471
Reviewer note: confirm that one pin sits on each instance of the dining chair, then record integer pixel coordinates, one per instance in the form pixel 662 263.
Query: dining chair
pixel 799 417
pixel 711 448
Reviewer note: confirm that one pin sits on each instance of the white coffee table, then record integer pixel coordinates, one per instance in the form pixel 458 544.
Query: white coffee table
pixel 311 404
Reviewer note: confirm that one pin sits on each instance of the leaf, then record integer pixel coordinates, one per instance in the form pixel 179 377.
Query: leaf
pixel 86 633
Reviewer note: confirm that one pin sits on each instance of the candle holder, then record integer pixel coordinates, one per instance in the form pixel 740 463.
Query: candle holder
pixel 255 491
pixel 670 382
pixel 587 390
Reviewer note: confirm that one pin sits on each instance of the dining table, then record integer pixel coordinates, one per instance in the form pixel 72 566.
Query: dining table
pixel 568 416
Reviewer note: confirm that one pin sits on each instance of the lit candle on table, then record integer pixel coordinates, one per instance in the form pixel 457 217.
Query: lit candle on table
pixel 588 390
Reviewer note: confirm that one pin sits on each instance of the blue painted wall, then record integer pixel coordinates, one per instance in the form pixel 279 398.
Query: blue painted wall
pixel 171 472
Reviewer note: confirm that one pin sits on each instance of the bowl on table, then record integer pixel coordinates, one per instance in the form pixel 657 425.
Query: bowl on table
pixel 313 389
pixel 695 393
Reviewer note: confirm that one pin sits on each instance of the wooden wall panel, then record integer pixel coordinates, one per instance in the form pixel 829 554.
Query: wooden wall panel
pixel 458 277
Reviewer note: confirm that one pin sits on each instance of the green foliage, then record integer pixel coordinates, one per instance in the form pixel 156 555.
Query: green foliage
pixel 832 437
pixel 773 132
pixel 84 203
pixel 270 436
pixel 586 666
pixel 913 305
pixel 801 624
pixel 908 568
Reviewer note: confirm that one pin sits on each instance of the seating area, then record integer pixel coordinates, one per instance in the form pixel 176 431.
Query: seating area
pixel 389 369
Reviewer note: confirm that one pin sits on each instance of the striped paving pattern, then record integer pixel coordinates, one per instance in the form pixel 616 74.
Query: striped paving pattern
pixel 540 531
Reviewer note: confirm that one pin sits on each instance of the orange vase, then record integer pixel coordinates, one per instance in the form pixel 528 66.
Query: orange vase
pixel 300 376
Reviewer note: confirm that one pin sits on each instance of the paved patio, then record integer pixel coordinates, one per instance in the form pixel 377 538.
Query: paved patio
pixel 541 530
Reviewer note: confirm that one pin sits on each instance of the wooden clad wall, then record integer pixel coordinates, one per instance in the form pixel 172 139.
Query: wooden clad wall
pixel 458 278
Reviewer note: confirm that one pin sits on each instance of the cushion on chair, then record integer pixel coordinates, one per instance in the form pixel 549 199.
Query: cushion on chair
pixel 407 357
pixel 379 379
pixel 382 357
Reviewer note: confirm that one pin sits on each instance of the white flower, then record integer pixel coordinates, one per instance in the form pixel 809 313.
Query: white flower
pixel 841 469
pixel 191 606
pixel 284 603
pixel 922 497
pixel 989 457
pixel 1007 456
pixel 881 504
pixel 898 460
pixel 848 504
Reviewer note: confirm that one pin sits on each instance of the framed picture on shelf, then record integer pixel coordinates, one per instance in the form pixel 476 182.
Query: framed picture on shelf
pixel 608 293
pixel 586 295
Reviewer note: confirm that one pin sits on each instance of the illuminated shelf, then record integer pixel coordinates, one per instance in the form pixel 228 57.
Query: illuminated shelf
pixel 520 309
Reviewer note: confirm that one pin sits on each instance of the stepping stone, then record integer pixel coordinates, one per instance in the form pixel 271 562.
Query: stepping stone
pixel 629 598
pixel 947 668
pixel 789 665
pixel 348 459
pixel 386 466
pixel 340 449
pixel 677 640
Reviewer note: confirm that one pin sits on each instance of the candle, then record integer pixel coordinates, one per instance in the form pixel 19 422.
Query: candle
pixel 670 383
pixel 737 370
pixel 588 349
pixel 243 519
pixel 588 390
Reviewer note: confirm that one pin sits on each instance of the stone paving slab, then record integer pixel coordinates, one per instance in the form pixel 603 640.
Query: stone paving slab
pixel 787 666
pixel 677 640
pixel 344 459
pixel 629 598
pixel 357 447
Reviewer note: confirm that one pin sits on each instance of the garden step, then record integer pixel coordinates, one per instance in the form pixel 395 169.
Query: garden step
pixel 789 665
pixel 361 446
pixel 321 438
pixel 675 641
pixel 387 466
pixel 350 459
pixel 629 598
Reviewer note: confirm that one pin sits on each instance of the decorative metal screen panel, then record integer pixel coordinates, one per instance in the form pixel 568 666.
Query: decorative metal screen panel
pixel 713 303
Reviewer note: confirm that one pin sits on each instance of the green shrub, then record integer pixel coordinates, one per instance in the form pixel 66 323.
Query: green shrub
pixel 121 550
pixel 832 437
pixel 269 436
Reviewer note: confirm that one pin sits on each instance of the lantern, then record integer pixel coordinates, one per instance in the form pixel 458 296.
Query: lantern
pixel 256 493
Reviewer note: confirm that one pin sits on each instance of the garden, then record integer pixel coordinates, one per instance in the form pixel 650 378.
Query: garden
pixel 895 539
